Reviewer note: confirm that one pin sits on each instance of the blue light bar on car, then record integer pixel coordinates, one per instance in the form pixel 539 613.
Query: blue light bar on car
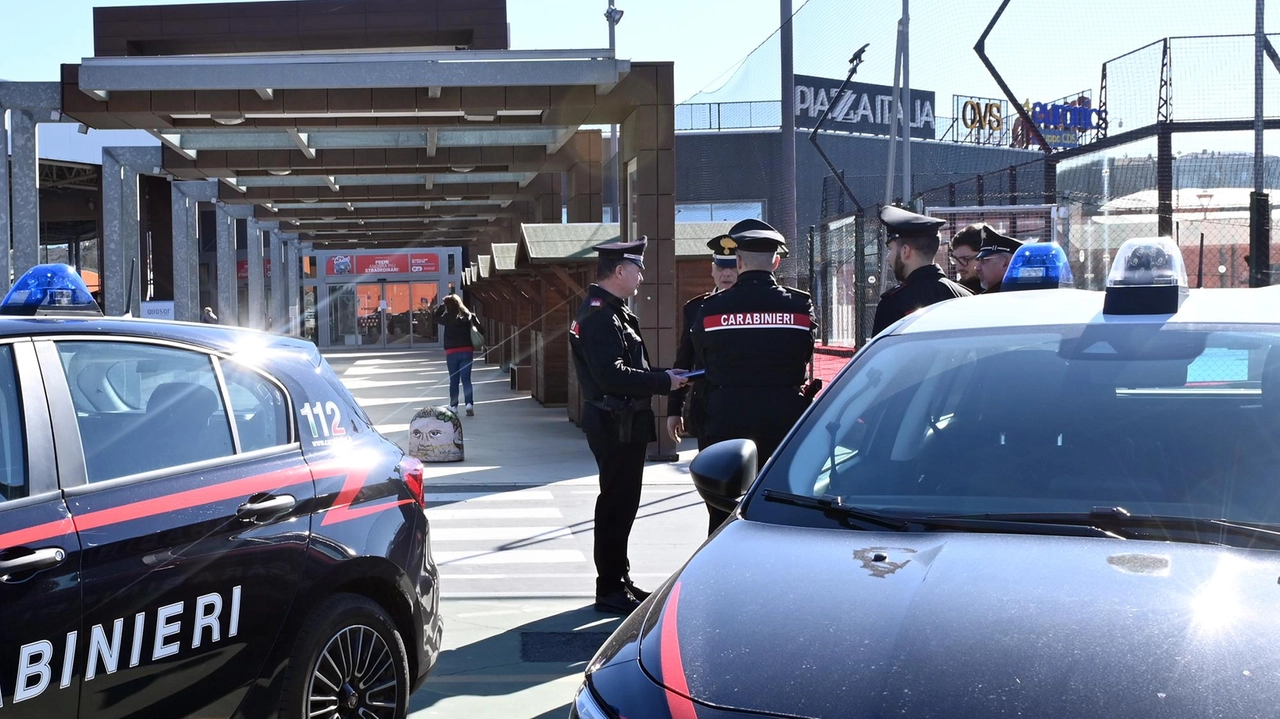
pixel 1147 278
pixel 53 289
pixel 1037 266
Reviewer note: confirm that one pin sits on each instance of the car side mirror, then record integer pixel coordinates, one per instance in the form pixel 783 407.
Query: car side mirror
pixel 724 472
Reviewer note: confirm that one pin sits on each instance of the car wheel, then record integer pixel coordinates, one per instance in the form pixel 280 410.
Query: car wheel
pixel 349 661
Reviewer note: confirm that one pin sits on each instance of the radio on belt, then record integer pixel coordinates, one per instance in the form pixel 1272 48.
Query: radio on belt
pixel 1037 266
pixel 1148 277
pixel 53 289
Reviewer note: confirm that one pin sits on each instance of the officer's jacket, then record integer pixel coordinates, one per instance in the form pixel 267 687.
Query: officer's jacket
pixel 923 287
pixel 608 353
pixel 755 340
pixel 684 356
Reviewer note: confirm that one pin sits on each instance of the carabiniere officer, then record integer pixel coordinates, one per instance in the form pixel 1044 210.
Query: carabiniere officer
pixel 912 242
pixel 617 385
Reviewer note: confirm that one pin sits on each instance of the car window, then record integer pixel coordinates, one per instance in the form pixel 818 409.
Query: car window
pixel 13 458
pixel 144 407
pixel 1158 420
pixel 258 406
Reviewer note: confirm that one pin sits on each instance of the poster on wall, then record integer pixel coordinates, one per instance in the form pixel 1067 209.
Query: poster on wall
pixel 387 264
pixel 242 269
pixel 424 263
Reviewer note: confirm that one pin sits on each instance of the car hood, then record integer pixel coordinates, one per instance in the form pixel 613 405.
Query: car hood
pixel 841 623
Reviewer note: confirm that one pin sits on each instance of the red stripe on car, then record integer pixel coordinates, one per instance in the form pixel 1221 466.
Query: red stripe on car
pixel 673 676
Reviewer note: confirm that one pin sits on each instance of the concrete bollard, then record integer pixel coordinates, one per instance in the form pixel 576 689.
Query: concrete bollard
pixel 435 435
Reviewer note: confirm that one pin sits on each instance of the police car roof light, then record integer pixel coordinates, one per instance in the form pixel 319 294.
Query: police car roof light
pixel 1038 266
pixel 53 289
pixel 1147 277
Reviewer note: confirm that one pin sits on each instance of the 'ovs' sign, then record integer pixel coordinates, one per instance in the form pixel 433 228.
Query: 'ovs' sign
pixel 976 116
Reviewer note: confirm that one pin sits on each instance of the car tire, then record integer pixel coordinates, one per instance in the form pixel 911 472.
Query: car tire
pixel 347 657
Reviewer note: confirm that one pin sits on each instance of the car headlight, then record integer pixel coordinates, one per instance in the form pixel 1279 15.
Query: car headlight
pixel 585 705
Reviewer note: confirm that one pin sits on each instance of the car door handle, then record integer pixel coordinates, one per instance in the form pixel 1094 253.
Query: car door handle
pixel 267 507
pixel 46 558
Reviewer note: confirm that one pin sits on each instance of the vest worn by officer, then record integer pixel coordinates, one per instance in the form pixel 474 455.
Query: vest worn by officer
pixel 923 287
pixel 755 340
pixel 608 354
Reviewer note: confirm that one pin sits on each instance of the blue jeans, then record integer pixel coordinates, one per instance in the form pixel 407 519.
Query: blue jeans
pixel 459 369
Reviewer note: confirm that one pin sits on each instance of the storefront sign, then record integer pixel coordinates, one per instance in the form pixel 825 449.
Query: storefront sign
pixel 862 108
pixel 982 120
pixel 384 264
pixel 242 269
pixel 1061 122
pixel 424 263
pixel 157 310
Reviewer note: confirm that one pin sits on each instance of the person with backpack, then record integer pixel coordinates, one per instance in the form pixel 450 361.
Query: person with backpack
pixel 459 348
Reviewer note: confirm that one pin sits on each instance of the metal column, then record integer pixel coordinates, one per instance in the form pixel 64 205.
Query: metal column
pixel 184 255
pixel 293 285
pixel 113 271
pixel 4 204
pixel 257 280
pixel 130 235
pixel 226 278
pixel 279 314
pixel 24 191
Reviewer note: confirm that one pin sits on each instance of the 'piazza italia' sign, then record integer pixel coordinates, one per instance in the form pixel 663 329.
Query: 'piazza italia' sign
pixel 862 108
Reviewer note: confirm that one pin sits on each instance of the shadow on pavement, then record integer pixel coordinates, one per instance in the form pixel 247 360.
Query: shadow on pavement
pixel 520 658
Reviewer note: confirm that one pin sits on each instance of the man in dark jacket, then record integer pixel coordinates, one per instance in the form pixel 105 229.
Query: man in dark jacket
pixel 617 385
pixel 964 252
pixel 691 401
pixel 912 243
pixel 755 340
pixel 993 259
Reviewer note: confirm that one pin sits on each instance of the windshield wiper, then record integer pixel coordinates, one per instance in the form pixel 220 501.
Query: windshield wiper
pixel 1120 522
pixel 835 507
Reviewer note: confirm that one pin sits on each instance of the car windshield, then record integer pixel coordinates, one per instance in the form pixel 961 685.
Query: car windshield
pixel 1160 420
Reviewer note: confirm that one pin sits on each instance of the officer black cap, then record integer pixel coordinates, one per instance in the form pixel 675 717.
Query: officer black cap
pixel 905 223
pixel 633 251
pixel 724 250
pixel 757 236
pixel 994 243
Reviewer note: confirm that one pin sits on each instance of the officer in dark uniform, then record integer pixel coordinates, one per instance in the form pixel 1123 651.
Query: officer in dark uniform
pixel 687 407
pixel 912 244
pixel 617 385
pixel 755 340
pixel 993 260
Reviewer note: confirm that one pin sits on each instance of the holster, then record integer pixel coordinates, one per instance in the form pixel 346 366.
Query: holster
pixel 630 420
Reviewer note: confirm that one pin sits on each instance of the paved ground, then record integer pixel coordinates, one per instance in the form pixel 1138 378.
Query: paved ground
pixel 511 529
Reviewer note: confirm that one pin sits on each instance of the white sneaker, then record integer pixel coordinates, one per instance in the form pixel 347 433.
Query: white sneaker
pixel 471 411
pixel 453 408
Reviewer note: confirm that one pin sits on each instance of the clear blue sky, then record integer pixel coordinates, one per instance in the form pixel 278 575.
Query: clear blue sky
pixel 1046 49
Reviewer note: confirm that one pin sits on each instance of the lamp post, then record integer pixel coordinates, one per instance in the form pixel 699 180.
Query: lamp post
pixel 614 16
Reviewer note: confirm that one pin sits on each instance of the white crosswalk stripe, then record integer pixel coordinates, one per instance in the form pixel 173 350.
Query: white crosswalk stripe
pixel 484 543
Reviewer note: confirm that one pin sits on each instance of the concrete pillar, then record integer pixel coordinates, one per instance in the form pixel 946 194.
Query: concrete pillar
pixel 131 239
pixel 24 191
pixel 113 252
pixel 586 177
pixel 279 315
pixel 225 277
pixel 293 286
pixel 184 255
pixel 5 241
pixel 647 166
pixel 257 278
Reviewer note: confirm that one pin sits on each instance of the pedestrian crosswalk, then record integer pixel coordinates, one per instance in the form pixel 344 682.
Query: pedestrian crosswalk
pixel 507 541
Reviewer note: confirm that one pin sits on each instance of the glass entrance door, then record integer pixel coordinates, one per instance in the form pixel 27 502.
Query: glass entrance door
pixel 371 316
pixel 395 295
pixel 423 323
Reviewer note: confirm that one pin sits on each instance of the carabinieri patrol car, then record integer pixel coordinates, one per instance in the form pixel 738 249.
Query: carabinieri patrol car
pixel 1052 504
pixel 198 521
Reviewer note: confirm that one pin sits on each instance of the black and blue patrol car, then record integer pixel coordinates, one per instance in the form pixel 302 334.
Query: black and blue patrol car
pixel 198 521
pixel 1052 504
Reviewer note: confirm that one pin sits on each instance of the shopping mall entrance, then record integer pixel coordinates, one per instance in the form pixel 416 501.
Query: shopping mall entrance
pixel 382 299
